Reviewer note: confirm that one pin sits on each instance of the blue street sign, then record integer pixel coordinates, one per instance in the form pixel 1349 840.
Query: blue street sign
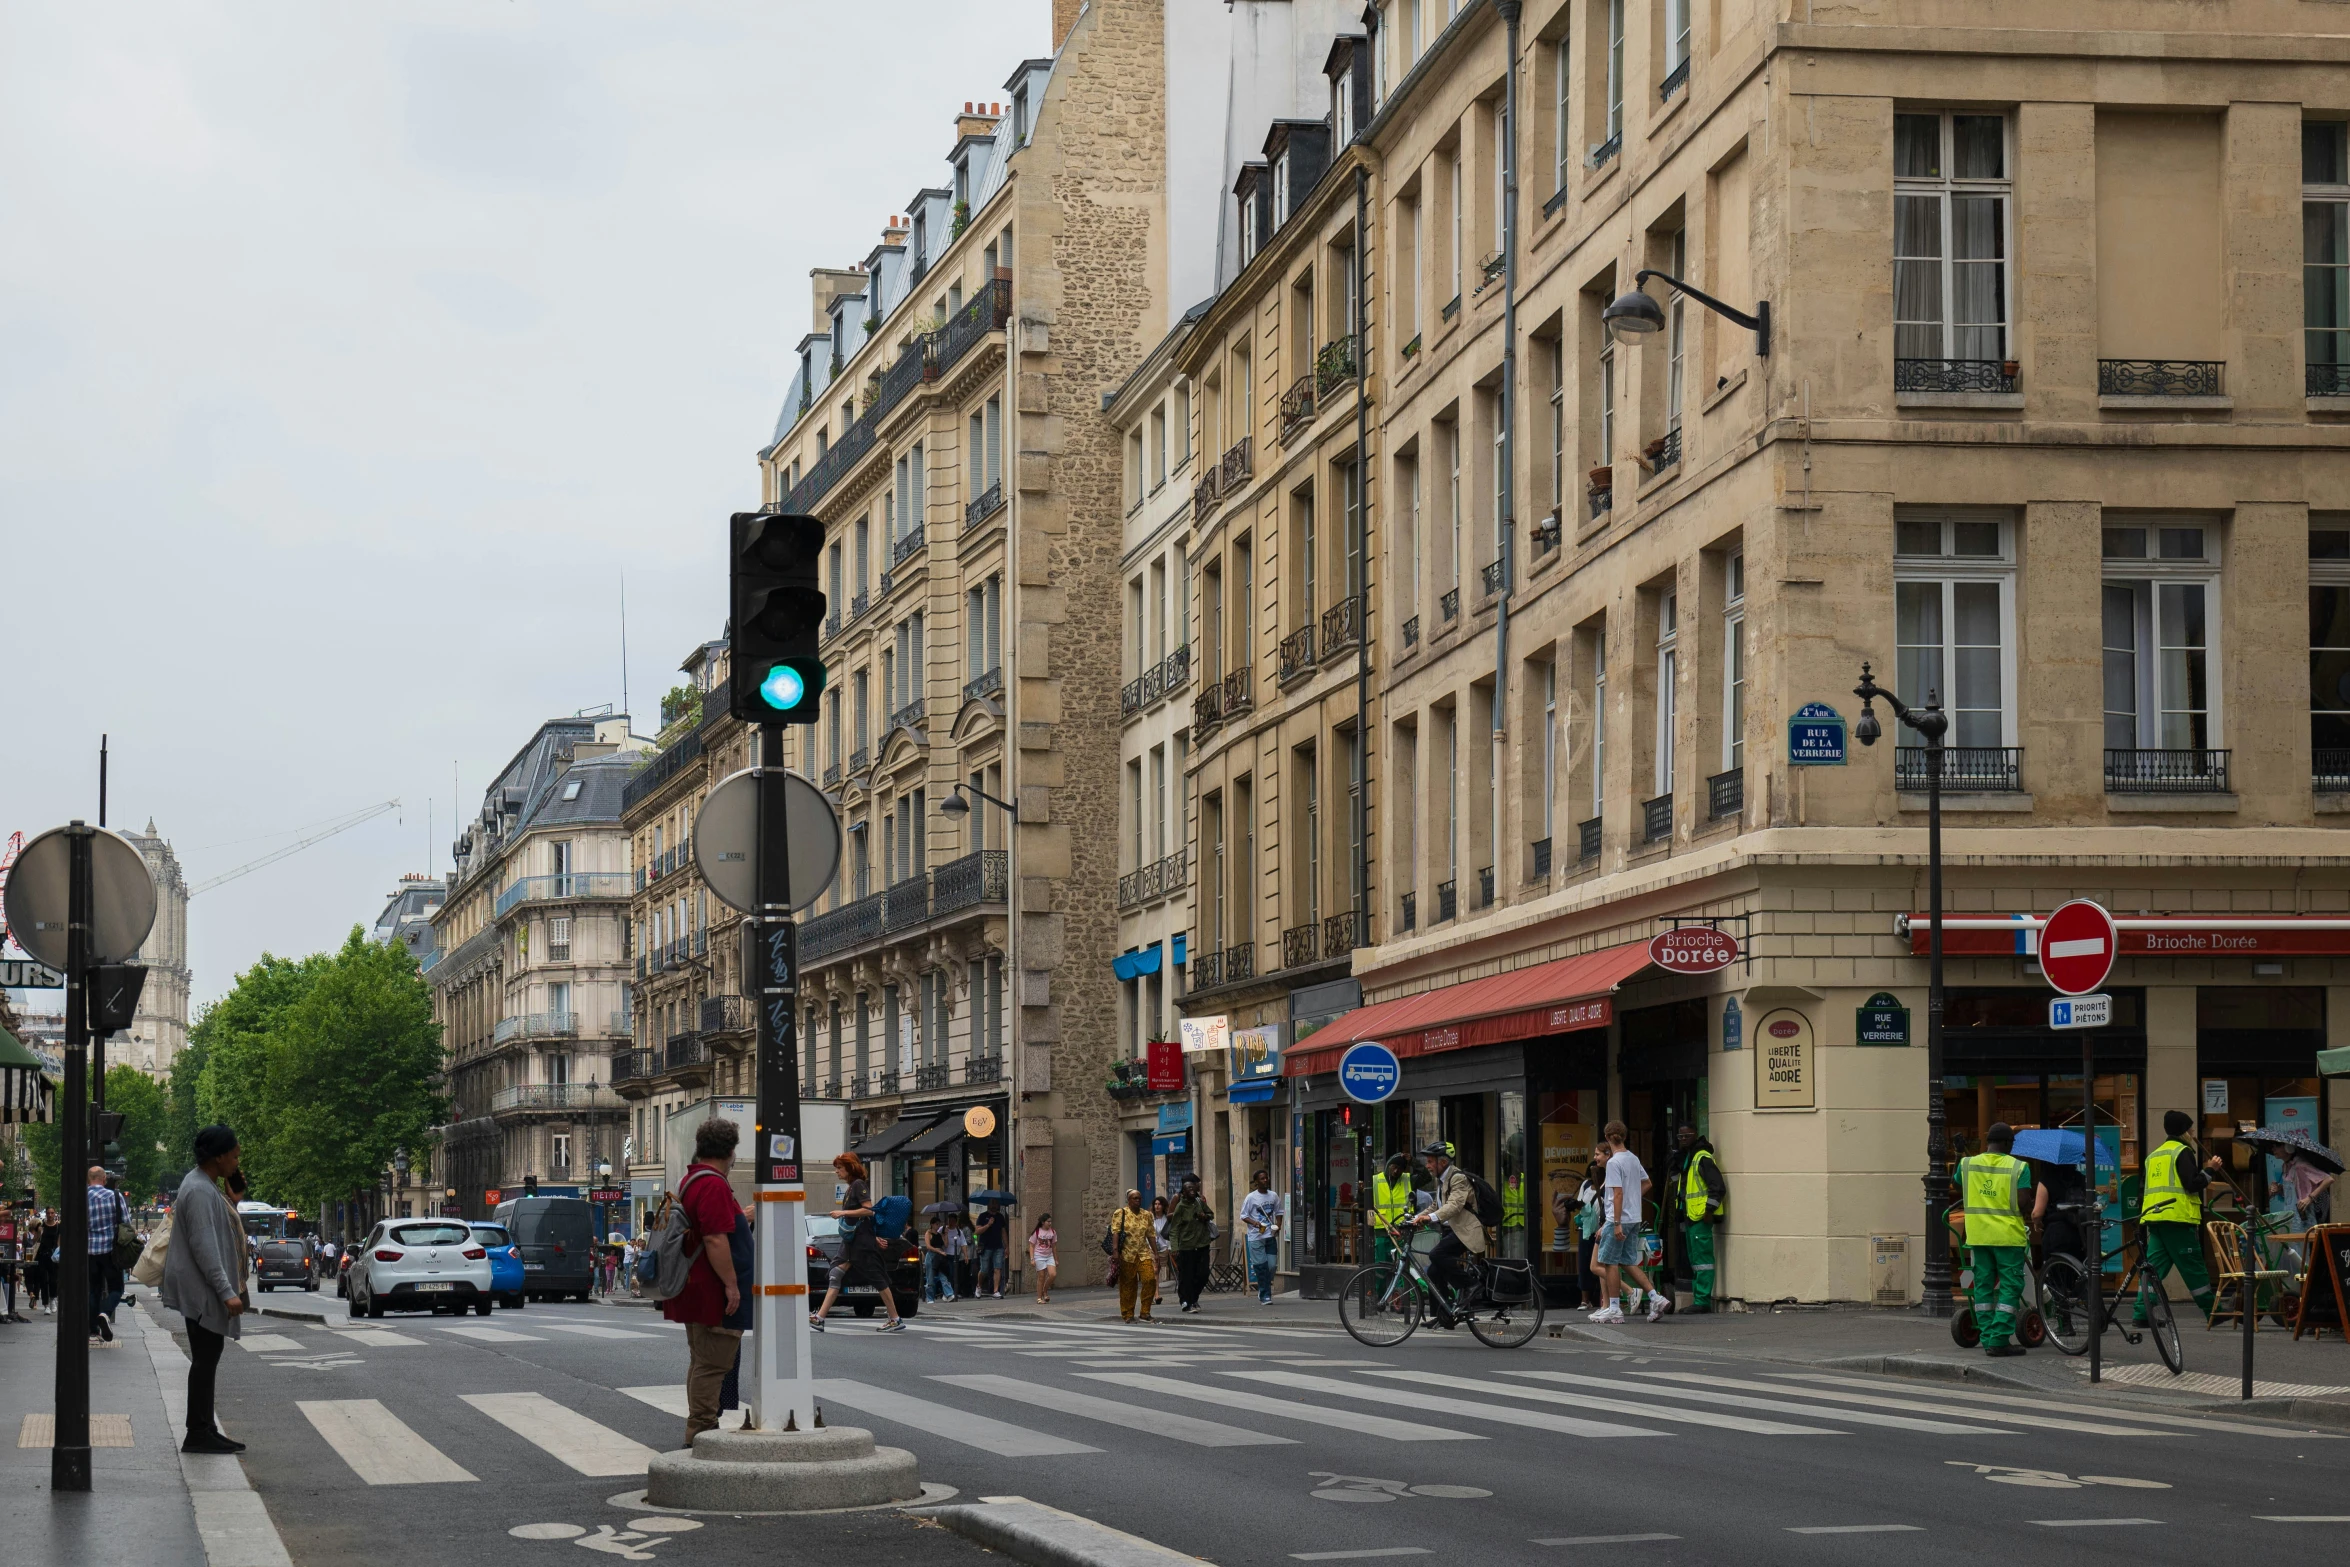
pixel 1369 1072
pixel 1815 736
pixel 1733 1024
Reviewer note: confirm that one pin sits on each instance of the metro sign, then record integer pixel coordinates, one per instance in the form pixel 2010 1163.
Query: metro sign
pixel 2078 946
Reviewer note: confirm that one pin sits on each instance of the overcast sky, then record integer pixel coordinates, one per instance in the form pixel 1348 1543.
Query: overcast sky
pixel 350 353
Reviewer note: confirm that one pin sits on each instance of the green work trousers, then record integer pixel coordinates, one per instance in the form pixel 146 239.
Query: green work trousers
pixel 1382 1249
pixel 2177 1246
pixel 1999 1291
pixel 1698 1237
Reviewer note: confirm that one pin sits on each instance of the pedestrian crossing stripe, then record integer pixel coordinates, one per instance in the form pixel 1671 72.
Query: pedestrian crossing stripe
pixel 270 1344
pixel 564 1434
pixel 1501 1413
pixel 1862 1417
pixel 1648 1411
pixel 2134 1416
pixel 380 1447
pixel 989 1435
pixel 1878 1401
pixel 378 1338
pixel 1156 1422
pixel 1287 1409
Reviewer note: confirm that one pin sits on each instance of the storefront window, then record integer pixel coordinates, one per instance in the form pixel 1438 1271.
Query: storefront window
pixel 1568 1126
pixel 2256 1054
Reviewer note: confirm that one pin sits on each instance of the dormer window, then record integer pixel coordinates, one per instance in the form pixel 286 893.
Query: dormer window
pixel 1020 117
pixel 1280 189
pixel 962 183
pixel 1248 225
pixel 1342 109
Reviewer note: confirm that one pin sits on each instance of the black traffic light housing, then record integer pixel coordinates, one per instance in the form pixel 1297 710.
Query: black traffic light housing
pixel 778 609
pixel 530 1186
pixel 114 996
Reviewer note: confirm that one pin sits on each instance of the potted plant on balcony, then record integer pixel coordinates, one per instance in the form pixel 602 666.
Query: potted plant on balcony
pixel 1125 1081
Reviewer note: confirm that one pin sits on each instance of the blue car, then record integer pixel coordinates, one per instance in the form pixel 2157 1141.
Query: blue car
pixel 505 1263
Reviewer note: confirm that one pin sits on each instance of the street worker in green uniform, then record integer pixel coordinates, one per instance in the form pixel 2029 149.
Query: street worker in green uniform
pixel 1391 1204
pixel 2170 1216
pixel 1993 1185
pixel 1513 1209
pixel 1702 1195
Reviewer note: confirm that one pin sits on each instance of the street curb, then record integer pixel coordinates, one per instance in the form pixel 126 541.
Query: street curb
pixel 2309 1411
pixel 1048 1537
pixel 1920 1368
pixel 231 1518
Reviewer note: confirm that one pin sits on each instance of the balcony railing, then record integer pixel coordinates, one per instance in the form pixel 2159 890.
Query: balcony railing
pixel 728 1015
pixel 860 761
pixel 970 881
pixel 860 602
pixel 907 717
pixel 1656 818
pixel 2161 377
pixel 1668 451
pixel 1236 467
pixel 983 1069
pixel 1297 407
pixel 659 771
pixel 989 502
pixel 1240 962
pixel 2329 770
pixel 1342 933
pixel 1603 500
pixel 1297 653
pixel 885 1080
pixel 931 1074
pixel 1301 946
pixel 686 1053
pixel 1207 711
pixel 905 545
pixel 1448 604
pixel 1485 886
pixel 1489 578
pixel 564 889
pixel 1171 673
pixel 1240 692
pixel 537 1025
pixel 1539 859
pixel 1448 900
pixel 2165 772
pixel 986 685
pixel 1587 839
pixel 1954 375
pixel 832 775
pixel 1155 880
pixel 1334 366
pixel 850 925
pixel 1966 769
pixel 909 902
pixel 1411 632
pixel 987 311
pixel 1340 626
pixel 1408 911
pixel 2324 380
pixel 1675 79
pixel 550 1097
pixel 635 1066
pixel 1602 154
pixel 1725 794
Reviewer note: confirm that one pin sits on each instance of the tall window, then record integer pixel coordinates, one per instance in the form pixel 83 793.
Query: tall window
pixel 1450 719
pixel 1558 424
pixel 1734 663
pixel 1953 592
pixel 1615 70
pixel 1562 124
pixel 1676 334
pixel 1607 402
pixel 559 939
pixel 1676 35
pixel 1248 223
pixel 1280 189
pixel 2161 637
pixel 1452 502
pixel 1312 891
pixel 1453 178
pixel 994 441
pixel 2325 255
pixel 1407 483
pixel 1550 741
pixel 1950 214
pixel 1598 719
pixel 1668 668
pixel 2329 653
pixel 1342 108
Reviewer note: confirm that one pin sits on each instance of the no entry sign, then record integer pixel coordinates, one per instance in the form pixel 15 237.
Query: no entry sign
pixel 1693 949
pixel 2077 947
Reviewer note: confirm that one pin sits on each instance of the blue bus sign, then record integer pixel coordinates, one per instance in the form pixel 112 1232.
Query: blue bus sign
pixel 1815 736
pixel 1369 1072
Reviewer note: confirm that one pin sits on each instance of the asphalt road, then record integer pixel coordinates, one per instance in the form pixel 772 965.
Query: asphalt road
pixel 1243 1440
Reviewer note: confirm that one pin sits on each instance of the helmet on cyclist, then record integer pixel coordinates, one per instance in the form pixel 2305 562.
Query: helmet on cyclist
pixel 1437 1151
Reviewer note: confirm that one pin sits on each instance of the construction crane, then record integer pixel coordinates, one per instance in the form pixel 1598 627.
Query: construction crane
pixel 343 824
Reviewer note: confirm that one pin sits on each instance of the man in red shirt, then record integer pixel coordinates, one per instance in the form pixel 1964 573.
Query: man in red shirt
pixel 712 1293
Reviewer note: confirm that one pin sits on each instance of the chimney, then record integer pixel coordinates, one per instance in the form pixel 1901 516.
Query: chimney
pixel 977 119
pixel 1064 17
pixel 896 231
pixel 830 283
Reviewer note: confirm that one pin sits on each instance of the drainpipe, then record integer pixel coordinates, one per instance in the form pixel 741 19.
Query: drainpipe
pixel 1505 526
pixel 1362 767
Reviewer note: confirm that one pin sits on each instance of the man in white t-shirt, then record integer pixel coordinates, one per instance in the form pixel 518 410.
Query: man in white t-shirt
pixel 1619 1247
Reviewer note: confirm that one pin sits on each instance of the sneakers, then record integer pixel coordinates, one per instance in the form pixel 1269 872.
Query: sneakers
pixel 105 1328
pixel 1610 1312
pixel 1656 1305
pixel 210 1442
pixel 815 1324
pixel 893 1325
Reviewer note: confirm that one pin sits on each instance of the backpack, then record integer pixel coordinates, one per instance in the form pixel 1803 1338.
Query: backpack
pixel 890 1215
pixel 1484 1201
pixel 667 1262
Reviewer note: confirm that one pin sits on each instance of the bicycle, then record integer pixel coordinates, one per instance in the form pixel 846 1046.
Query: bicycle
pixel 2065 1301
pixel 1383 1304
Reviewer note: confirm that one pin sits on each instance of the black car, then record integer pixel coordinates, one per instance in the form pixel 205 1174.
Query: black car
pixel 285 1263
pixel 558 1240
pixel 902 1255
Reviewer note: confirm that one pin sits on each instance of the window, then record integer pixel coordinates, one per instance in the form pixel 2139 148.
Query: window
pixel 559 1155
pixel 1953 589
pixel 2160 639
pixel 1607 401
pixel 1558 424
pixel 1342 108
pixel 1280 189
pixel 2329 653
pixel 1615 71
pixel 571 791
pixel 1454 179
pixel 1562 124
pixel 993 441
pixel 1676 334
pixel 1676 35
pixel 1668 667
pixel 1598 719
pixel 1550 741
pixel 559 939
pixel 1408 481
pixel 1950 201
pixel 1452 505
pixel 1158 448
pixel 1248 223
pixel 1734 663
pixel 2325 255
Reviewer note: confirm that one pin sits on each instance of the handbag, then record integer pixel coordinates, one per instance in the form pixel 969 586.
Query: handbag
pixel 148 1270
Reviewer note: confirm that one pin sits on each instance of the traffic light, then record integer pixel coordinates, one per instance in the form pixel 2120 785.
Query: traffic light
pixel 778 614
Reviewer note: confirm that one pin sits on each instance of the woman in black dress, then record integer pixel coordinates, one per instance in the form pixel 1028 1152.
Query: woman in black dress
pixel 860 1247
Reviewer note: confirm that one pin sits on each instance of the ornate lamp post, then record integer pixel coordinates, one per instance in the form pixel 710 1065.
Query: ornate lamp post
pixel 1931 724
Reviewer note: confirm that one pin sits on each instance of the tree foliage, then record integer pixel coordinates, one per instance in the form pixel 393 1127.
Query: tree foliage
pixel 355 1071
pixel 139 1100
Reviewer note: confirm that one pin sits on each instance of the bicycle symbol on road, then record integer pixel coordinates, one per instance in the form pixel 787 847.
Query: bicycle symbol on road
pixel 634 1545
pixel 2051 1479
pixel 1362 1488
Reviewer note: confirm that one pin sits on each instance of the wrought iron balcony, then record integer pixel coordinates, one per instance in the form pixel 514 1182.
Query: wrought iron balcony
pixel 983 1069
pixel 1656 818
pixel 1236 467
pixel 1240 962
pixel 832 625
pixel 2329 770
pixel 885 1080
pixel 905 545
pixel 907 717
pixel 860 761
pixel 832 776
pixel 1155 880
pixel 1448 901
pixel 1725 794
pixel 887 581
pixel 1334 366
pixel 858 605
pixel 1408 911
pixel 1240 692
pixel 2165 772
pixel 1207 711
pixel 659 771
pixel 989 502
pixel 2324 380
pixel 549 1098
pixel 909 902
pixel 1602 498
pixel 850 925
pixel 984 686
pixel 985 312
pixel 1342 933
pixel 635 1066
pixel 1452 307
pixel 1606 151
pixel 1297 407
pixel 686 1053
pixel 931 1074
pixel 1485 887
pixel 1489 270
pixel 1668 451
pixel 1411 632
pixel 1448 604
pixel 1301 946
pixel 1489 578
pixel 1587 839
pixel 1204 493
pixel 573 887
pixel 1540 848
pixel 728 1015
pixel 2161 377
pixel 1955 375
pixel 970 881
pixel 1545 533
pixel 537 1025
pixel 1297 653
pixel 1411 347
pixel 1675 79
pixel 1340 626
pixel 1966 769
pixel 1207 968
pixel 1171 673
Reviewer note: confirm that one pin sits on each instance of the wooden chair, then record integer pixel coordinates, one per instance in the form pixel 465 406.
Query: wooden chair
pixel 2227 1250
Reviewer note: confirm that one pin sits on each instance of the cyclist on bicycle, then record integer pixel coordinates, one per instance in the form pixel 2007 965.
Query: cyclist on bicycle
pixel 2170 1216
pixel 1456 1210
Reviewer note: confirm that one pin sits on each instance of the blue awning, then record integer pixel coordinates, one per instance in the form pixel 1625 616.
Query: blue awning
pixel 1180 1142
pixel 1133 965
pixel 1256 1093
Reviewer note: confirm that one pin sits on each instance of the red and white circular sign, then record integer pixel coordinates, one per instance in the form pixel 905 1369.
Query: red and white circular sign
pixel 2078 946
pixel 1693 949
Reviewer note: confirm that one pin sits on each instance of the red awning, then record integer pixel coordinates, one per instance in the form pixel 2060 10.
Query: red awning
pixel 1550 998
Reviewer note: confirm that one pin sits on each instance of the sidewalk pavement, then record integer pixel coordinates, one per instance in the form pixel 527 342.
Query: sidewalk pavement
pixel 149 1504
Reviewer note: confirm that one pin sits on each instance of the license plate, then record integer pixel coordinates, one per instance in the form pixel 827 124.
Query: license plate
pixel 422 1287
pixel 533 1267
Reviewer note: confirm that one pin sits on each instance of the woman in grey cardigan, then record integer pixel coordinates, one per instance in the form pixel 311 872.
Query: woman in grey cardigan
pixel 203 1272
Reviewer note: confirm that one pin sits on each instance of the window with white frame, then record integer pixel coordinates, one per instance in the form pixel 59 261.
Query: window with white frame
pixel 1676 35
pixel 1451 434
pixel 1280 189
pixel 1607 402
pixel 1562 123
pixel 1248 224
pixel 2325 255
pixel 1558 424
pixel 1342 107
pixel 1457 196
pixel 1598 718
pixel 559 1155
pixel 1951 195
pixel 1954 613
pixel 1615 70
pixel 2161 614
pixel 1676 334
pixel 1734 662
pixel 2329 652
pixel 559 939
pixel 1550 743
pixel 1668 669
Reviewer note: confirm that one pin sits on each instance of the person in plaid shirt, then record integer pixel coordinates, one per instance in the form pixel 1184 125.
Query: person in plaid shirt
pixel 107 1211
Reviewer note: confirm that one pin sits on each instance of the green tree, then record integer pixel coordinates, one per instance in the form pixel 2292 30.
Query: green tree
pixel 239 1035
pixel 141 1103
pixel 180 1119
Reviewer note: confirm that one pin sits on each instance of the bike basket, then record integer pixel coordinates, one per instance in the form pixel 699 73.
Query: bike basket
pixel 1512 1281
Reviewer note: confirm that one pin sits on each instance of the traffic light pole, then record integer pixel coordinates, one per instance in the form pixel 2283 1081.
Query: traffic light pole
pixel 782 1384
pixel 69 1458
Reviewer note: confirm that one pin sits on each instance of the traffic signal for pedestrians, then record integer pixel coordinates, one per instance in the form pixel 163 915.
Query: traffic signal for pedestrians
pixel 778 615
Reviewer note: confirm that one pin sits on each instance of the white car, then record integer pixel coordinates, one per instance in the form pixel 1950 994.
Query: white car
pixel 420 1265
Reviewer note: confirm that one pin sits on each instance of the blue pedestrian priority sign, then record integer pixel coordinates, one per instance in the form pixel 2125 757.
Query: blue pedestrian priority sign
pixel 1815 736
pixel 1369 1072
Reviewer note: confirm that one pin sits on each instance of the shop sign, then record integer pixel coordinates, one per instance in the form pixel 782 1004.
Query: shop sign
pixel 1369 1072
pixel 1815 736
pixel 1256 1053
pixel 2080 1012
pixel 1204 1034
pixel 2215 1099
pixel 979 1121
pixel 1172 1118
pixel 606 1194
pixel 1162 1066
pixel 493 1196
pixel 1581 1014
pixel 1783 1067
pixel 1693 949
pixel 1733 1024
pixel 1882 1020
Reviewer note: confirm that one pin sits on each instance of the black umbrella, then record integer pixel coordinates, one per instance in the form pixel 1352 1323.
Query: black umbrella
pixel 944 1207
pixel 993 1197
pixel 2296 1139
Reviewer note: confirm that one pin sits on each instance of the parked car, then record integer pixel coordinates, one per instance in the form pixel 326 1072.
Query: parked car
pixel 343 1270
pixel 421 1265
pixel 902 1255
pixel 506 1271
pixel 284 1262
pixel 557 1236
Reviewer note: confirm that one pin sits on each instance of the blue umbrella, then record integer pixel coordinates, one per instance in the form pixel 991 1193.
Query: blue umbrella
pixel 2062 1146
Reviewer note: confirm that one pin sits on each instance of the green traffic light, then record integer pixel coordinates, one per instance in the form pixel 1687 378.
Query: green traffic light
pixel 791 685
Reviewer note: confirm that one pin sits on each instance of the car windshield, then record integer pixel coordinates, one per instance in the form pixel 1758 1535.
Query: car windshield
pixel 491 1235
pixel 431 1234
pixel 822 1226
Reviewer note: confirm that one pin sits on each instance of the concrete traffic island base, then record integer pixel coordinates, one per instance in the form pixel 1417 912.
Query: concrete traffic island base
pixel 824 1470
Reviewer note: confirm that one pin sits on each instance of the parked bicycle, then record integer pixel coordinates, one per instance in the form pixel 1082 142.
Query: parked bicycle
pixel 2065 1299
pixel 1385 1303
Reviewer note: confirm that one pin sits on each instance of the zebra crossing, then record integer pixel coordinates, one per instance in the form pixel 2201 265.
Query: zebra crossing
pixel 1022 1391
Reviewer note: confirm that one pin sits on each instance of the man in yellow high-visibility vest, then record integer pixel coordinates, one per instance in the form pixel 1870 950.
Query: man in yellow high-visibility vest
pixel 1702 1193
pixel 1993 1185
pixel 2170 1216
pixel 1391 1203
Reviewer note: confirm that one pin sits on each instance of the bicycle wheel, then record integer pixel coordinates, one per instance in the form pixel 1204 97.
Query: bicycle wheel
pixel 2064 1302
pixel 1380 1305
pixel 1507 1327
pixel 2165 1329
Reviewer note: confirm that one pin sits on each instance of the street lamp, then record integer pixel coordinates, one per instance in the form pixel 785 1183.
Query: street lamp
pixel 1634 315
pixel 955 805
pixel 1932 724
pixel 399 1174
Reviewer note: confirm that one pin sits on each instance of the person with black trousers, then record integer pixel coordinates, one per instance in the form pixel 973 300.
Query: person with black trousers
pixel 203 1278
pixel 1191 1225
